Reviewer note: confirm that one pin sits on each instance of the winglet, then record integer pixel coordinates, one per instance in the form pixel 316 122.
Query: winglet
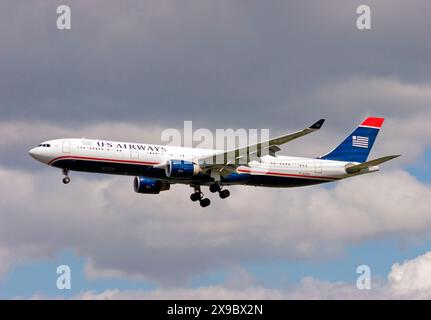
pixel 317 125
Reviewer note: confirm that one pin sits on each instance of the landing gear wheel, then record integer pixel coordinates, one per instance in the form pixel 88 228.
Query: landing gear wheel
pixel 196 196
pixel 66 178
pixel 205 202
pixel 215 187
pixel 224 194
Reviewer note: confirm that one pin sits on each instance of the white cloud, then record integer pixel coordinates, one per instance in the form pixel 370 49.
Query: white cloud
pixel 174 69
pixel 409 280
pixel 168 239
pixel 144 236
pixel 406 107
pixel 385 95
pixel 412 278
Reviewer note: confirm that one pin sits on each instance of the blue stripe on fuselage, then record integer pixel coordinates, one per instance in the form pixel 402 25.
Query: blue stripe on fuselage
pixel 158 173
pixel 109 167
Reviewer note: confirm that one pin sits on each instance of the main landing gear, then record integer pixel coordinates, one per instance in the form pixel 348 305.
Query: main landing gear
pixel 215 187
pixel 66 178
pixel 198 195
pixel 205 202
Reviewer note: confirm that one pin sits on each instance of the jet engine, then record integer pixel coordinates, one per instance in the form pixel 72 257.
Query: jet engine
pixel 181 169
pixel 149 186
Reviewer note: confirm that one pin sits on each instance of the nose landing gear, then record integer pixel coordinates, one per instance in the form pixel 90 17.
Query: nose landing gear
pixel 66 178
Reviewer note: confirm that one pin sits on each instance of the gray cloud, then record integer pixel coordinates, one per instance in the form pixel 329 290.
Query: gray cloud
pixel 127 72
pixel 242 63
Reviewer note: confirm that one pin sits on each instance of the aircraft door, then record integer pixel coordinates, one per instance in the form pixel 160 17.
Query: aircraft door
pixel 317 167
pixel 66 146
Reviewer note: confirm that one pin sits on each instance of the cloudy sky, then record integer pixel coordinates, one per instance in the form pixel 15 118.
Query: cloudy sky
pixel 128 71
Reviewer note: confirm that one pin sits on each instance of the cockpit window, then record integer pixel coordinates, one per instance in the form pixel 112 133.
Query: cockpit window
pixel 44 145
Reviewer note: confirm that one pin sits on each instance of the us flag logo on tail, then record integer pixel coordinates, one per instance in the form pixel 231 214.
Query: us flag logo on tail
pixel 361 142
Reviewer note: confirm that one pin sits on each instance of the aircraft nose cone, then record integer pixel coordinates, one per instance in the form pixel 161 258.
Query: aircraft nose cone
pixel 32 152
pixel 40 154
pixel 36 154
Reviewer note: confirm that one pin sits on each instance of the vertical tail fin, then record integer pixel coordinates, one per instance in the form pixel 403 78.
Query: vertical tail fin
pixel 357 146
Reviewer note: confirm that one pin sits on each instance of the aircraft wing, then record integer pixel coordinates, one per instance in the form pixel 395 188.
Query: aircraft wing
pixel 243 154
pixel 371 163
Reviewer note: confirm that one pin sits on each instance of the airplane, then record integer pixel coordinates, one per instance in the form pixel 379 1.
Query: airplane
pixel 156 167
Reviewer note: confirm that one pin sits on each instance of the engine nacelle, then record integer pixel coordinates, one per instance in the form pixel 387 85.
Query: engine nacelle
pixel 181 169
pixel 149 186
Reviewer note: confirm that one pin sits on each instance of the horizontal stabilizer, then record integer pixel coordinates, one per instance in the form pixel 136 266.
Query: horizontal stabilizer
pixel 365 165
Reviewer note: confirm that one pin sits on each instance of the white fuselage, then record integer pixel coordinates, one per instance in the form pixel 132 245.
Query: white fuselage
pixel 145 160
